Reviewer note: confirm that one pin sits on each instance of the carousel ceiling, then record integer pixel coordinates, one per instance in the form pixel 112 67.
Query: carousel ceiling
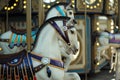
pixel 90 6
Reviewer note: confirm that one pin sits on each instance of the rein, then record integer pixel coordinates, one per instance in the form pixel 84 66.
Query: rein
pixel 55 26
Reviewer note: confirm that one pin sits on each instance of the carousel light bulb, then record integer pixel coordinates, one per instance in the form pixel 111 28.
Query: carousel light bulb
pixel 98 4
pixel 111 47
pixel 112 27
pixel 48 6
pixel 95 7
pixel 97 44
pixel 87 6
pixel 100 0
pixel 0 49
pixel 112 31
pixel 91 7
pixel 24 6
pixel 24 2
pixel 97 23
pixel 112 23
pixel 98 28
pixel 9 8
pixel 14 4
pixel 5 8
pixel 117 27
pixel 57 2
pixel 98 63
pixel 16 0
pixel 44 5
pixel 73 5
pixel 73 1
pixel 12 7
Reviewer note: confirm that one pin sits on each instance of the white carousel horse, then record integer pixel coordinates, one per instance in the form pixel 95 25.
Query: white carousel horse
pixel 114 57
pixel 106 41
pixel 48 49
pixel 40 47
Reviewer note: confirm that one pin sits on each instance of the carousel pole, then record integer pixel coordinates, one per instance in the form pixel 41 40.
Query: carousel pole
pixel 6 17
pixel 40 13
pixel 118 51
pixel 28 18
pixel 85 37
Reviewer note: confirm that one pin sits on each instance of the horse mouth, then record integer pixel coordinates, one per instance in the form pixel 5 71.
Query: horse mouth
pixel 74 50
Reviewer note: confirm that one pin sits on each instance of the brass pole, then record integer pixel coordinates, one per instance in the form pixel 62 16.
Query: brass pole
pixel 40 12
pixel 28 18
pixel 85 44
pixel 6 17
pixel 119 14
pixel 118 51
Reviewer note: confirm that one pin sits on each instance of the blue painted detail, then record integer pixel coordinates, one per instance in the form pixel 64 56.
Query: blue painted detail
pixel 33 37
pixel 18 40
pixel 34 32
pixel 48 72
pixel 12 43
pixel 23 40
pixel 13 38
pixel 60 11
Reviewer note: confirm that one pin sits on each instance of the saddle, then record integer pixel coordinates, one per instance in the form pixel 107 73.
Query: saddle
pixel 12 59
pixel 18 31
pixel 21 31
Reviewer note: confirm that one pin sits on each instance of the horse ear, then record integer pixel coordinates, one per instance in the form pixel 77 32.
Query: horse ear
pixel 69 6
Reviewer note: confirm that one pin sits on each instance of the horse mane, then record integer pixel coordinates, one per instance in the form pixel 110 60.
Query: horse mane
pixel 107 31
pixel 45 23
pixel 61 3
pixel 21 31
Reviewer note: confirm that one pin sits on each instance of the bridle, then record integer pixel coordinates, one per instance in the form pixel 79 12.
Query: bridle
pixel 66 26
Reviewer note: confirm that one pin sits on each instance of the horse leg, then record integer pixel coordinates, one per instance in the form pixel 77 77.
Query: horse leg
pixel 104 55
pixel 67 61
pixel 71 76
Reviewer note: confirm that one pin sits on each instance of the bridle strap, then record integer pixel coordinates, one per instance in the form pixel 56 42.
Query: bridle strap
pixel 65 31
pixel 55 26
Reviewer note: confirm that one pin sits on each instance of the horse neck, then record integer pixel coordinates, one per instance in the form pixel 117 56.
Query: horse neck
pixel 53 12
pixel 47 43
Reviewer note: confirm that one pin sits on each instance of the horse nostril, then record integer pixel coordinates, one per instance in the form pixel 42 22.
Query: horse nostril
pixel 76 50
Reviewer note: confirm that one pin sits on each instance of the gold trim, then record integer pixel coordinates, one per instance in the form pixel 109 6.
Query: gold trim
pixel 11 37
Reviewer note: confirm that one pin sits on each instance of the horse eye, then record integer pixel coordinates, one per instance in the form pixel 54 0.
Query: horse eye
pixel 70 13
pixel 72 31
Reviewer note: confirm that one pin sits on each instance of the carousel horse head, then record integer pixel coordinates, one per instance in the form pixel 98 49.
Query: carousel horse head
pixel 60 9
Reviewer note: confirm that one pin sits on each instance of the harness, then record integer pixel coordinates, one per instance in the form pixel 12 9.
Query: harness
pixel 19 65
